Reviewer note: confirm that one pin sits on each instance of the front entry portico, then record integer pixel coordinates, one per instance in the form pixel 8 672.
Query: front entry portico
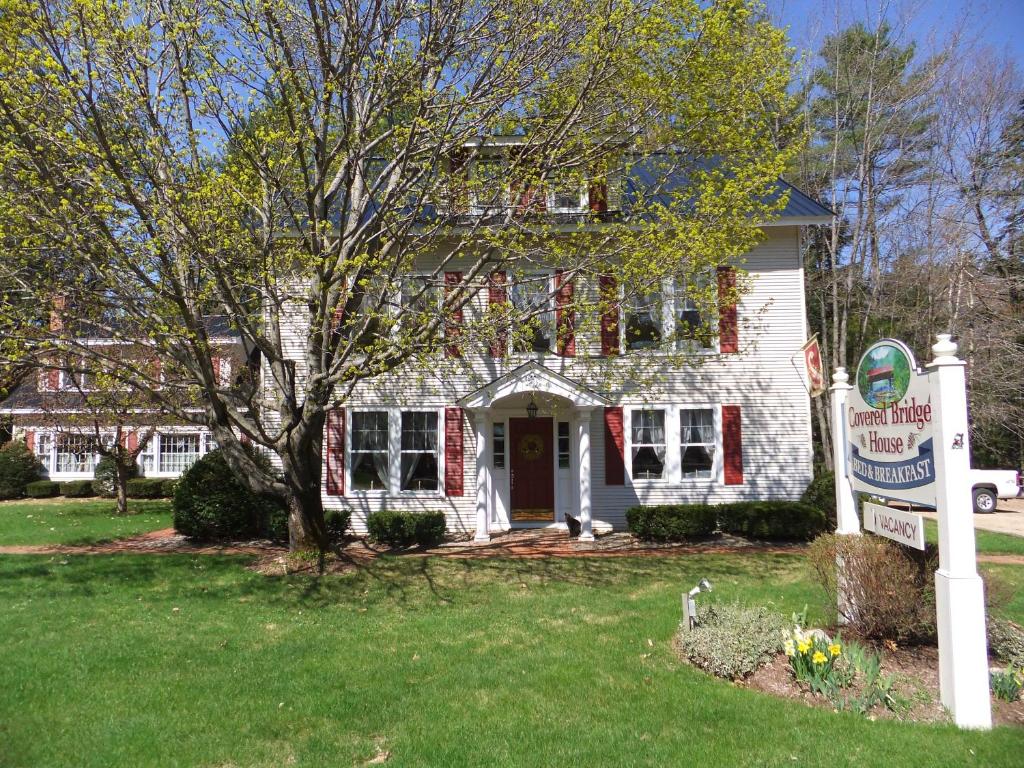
pixel 532 470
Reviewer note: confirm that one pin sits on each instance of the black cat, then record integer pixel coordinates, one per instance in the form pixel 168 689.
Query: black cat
pixel 574 526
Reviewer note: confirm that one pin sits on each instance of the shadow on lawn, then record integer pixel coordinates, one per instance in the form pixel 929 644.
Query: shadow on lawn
pixel 402 581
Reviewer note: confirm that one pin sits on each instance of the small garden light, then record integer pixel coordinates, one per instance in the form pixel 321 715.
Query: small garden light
pixel 690 603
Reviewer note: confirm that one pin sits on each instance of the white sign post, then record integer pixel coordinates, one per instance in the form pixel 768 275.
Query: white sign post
pixel 959 592
pixel 901 433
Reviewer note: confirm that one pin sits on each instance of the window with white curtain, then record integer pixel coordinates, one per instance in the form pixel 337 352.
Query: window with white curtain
pixel 697 442
pixel 43 447
pixel 178 451
pixel 643 321
pixel 648 444
pixel 369 450
pixel 693 329
pixel 419 465
pixel 75 453
pixel 530 295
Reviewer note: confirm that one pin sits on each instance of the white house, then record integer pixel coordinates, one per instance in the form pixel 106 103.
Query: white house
pixel 516 439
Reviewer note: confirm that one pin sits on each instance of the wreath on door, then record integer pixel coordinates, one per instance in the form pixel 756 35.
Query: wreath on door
pixel 531 447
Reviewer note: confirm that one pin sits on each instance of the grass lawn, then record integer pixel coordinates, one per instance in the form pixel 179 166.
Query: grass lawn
pixel 78 521
pixel 134 660
pixel 985 542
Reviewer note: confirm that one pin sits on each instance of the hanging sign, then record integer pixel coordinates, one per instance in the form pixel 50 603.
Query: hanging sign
pixel 889 426
pixel 902 527
pixel 816 384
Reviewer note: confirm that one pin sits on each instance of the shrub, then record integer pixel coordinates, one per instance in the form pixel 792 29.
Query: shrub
pixel 772 520
pixel 168 486
pixel 403 529
pixel 77 489
pixel 42 489
pixel 890 590
pixel 672 522
pixel 105 477
pixel 1006 641
pixel 18 468
pixel 821 493
pixel 1007 684
pixel 733 640
pixel 145 488
pixel 211 504
pixel 337 524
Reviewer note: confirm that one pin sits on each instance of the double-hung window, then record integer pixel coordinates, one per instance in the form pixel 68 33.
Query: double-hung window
pixel 643 320
pixel 566 195
pixel 178 451
pixel 43 448
pixel 648 444
pixel 693 328
pixel 370 450
pixel 490 185
pixel 697 442
pixel 75 453
pixel 531 298
pixel 419 465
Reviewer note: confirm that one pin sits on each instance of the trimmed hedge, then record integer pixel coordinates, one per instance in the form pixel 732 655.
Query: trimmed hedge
pixel 104 478
pixel 212 505
pixel 77 489
pixel 337 523
pixel 145 488
pixel 772 520
pixel 18 468
pixel 672 522
pixel 42 489
pixel 403 529
pixel 168 487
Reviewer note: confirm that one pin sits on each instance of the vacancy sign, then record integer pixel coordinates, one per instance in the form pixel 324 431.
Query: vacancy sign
pixel 902 527
pixel 889 426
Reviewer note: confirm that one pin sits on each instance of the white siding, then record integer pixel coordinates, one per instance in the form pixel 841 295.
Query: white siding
pixel 766 379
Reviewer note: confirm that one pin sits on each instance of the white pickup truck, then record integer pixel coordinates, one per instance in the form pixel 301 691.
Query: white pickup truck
pixel 990 485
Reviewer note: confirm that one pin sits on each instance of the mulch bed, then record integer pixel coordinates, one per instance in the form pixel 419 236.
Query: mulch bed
pixel 917 688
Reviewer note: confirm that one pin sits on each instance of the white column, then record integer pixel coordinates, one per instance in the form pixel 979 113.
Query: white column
pixel 847 519
pixel 481 422
pixel 959 592
pixel 583 429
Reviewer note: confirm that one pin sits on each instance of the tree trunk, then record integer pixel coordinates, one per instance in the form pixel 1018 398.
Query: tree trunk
pixel 121 487
pixel 302 466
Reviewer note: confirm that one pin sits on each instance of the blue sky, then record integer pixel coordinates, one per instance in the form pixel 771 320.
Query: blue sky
pixel 995 23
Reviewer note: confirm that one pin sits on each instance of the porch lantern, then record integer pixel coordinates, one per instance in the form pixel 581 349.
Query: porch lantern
pixel 531 409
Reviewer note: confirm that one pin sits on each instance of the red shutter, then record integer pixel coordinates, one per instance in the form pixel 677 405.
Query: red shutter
pixel 53 379
pixel 30 440
pixel 451 328
pixel 598 196
pixel 336 452
pixel 614 447
pixel 609 290
pixel 732 444
pixel 565 316
pixel 132 441
pixel 215 362
pixel 728 329
pixel 497 295
pixel 453 452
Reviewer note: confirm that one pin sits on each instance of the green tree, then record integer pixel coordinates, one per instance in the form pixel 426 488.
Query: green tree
pixel 284 165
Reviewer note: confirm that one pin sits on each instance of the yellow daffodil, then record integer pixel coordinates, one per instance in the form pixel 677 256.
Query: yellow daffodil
pixel 835 649
pixel 819 657
pixel 803 646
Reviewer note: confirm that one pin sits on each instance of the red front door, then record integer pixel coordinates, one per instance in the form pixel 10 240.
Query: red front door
pixel 532 465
